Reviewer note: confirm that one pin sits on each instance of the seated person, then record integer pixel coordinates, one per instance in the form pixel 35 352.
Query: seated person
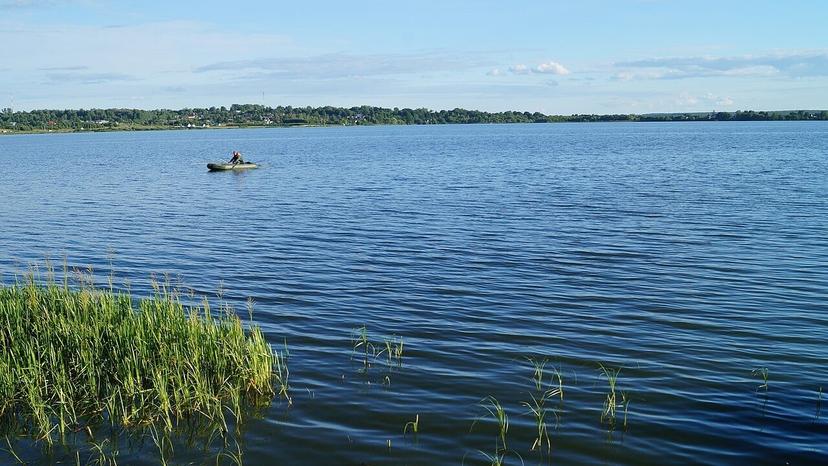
pixel 237 158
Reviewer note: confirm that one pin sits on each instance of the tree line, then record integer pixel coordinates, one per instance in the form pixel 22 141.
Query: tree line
pixel 243 115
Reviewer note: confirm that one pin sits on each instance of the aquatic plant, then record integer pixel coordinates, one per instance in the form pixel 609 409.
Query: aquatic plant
pixel 557 388
pixel 250 303
pixel 12 452
pixel 537 404
pixel 235 457
pixel 611 403
pixel 498 414
pixel 281 374
pixel 413 425
pixel 555 380
pixel 538 365
pixel 362 347
pixel 501 418
pixel 539 411
pixel 75 357
pixel 761 372
pixel 393 348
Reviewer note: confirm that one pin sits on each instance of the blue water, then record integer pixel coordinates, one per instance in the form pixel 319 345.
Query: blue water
pixel 688 254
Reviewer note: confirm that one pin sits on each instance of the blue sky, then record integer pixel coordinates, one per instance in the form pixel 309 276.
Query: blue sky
pixel 561 57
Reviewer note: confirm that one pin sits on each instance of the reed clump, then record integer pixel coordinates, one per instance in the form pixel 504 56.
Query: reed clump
pixel 77 357
pixel 537 406
pixel 497 413
pixel 612 403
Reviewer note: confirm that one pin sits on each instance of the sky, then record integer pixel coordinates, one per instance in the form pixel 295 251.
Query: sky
pixel 555 57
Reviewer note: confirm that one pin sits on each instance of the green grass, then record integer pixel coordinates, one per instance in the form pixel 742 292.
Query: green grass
pixel 393 348
pixel 73 358
pixel 538 410
pixel 555 386
pixel 362 347
pixel 414 426
pixel 612 402
pixel 538 366
pixel 761 372
pixel 537 406
pixel 498 414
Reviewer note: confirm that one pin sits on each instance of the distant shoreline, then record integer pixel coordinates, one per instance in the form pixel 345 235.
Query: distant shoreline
pixel 258 116
pixel 170 128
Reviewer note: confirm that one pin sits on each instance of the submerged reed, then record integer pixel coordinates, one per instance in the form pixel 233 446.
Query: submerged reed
pixel 362 347
pixel 393 348
pixel 494 408
pixel 761 372
pixel 538 365
pixel 538 410
pixel 496 412
pixel 413 425
pixel 537 406
pixel 611 403
pixel 71 358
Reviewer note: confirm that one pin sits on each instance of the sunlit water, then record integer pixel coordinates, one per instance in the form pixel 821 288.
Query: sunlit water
pixel 687 254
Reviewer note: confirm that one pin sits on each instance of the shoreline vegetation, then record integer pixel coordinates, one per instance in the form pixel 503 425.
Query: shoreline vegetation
pixel 260 116
pixel 77 359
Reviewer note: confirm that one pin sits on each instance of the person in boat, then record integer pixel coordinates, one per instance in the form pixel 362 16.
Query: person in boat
pixel 237 158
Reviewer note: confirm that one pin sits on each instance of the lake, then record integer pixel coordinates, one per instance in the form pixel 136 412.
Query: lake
pixel 689 255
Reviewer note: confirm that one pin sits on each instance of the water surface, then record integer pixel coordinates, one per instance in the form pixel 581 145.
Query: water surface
pixel 687 254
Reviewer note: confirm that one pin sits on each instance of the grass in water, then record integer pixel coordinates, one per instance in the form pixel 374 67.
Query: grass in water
pixel 496 412
pixel 537 405
pixel 393 349
pixel 413 425
pixel 281 374
pixel 611 403
pixel 538 365
pixel 73 358
pixel 362 347
pixel 539 411
pixel 557 389
pixel 556 379
pixel 761 372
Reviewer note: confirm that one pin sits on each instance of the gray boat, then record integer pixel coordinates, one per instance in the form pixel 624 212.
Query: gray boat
pixel 217 167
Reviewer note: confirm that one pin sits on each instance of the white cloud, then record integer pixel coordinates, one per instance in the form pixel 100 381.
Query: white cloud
pixel 519 69
pixel 495 72
pixel 629 75
pixel 87 78
pixel 139 49
pixel 687 100
pixel 339 65
pixel 724 101
pixel 550 67
pixel 790 64
pixel 17 3
pixel 706 100
pixel 754 71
